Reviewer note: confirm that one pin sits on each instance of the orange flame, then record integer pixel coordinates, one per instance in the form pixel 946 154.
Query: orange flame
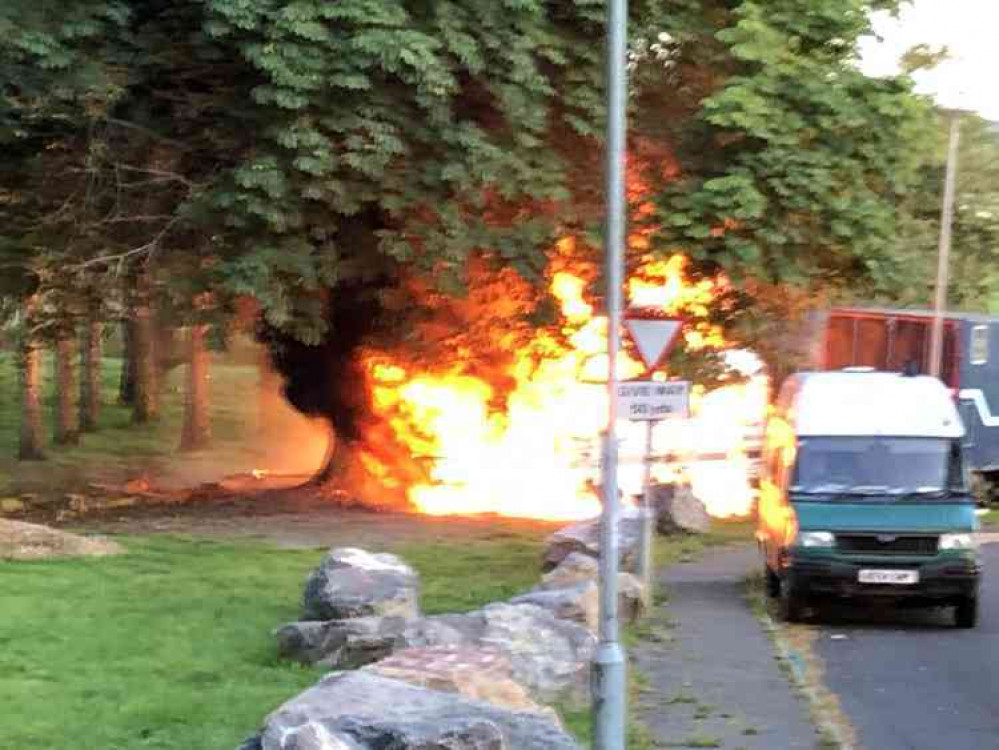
pixel 536 455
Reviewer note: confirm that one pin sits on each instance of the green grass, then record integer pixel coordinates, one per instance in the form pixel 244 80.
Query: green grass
pixel 120 449
pixel 169 646
pixel 686 548
pixel 991 519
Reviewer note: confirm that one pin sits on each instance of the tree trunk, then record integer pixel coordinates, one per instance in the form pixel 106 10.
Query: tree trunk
pixel 339 461
pixel 126 385
pixel 90 384
pixel 146 403
pixel 67 428
pixel 29 361
pixel 196 433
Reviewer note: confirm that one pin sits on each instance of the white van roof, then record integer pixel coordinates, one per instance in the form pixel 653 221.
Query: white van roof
pixel 866 402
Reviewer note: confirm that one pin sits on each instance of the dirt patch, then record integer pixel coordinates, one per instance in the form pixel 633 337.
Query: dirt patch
pixel 29 541
pixel 297 518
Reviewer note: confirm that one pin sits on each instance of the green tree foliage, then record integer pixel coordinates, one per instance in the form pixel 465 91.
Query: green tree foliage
pixel 402 135
pixel 793 162
pixel 974 282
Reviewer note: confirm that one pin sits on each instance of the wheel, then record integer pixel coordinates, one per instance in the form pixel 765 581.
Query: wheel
pixel 772 582
pixel 966 612
pixel 790 606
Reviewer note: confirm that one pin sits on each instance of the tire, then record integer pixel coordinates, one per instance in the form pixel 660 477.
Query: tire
pixel 772 582
pixel 966 612
pixel 790 606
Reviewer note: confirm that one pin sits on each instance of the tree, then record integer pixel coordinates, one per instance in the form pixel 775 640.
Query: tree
pixel 67 426
pixel 790 162
pixel 974 283
pixel 91 396
pixel 196 430
pixel 29 369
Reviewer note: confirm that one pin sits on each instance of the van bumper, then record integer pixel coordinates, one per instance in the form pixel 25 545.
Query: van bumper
pixel 940 581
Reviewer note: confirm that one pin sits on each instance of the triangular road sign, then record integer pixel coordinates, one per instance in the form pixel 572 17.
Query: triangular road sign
pixel 654 337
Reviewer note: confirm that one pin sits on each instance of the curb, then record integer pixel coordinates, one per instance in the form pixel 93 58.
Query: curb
pixel 796 663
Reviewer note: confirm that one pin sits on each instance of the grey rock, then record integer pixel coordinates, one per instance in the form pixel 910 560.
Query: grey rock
pixel 584 538
pixel 575 568
pixel 352 583
pixel 365 711
pixel 343 644
pixel 549 656
pixel 631 598
pixel 579 603
pixel 678 511
pixel 309 736
pixel 479 673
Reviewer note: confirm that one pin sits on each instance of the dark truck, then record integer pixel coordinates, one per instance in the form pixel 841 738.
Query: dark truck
pixel 899 341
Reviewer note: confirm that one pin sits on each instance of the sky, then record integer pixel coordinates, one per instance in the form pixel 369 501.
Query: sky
pixel 970 28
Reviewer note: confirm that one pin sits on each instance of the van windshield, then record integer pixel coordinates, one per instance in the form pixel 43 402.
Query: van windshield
pixel 873 465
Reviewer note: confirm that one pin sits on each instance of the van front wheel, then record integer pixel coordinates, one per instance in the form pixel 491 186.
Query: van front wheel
pixel 966 612
pixel 790 607
pixel 773 582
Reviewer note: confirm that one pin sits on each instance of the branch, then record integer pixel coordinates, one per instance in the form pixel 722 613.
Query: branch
pixel 149 132
pixel 161 173
pixel 120 258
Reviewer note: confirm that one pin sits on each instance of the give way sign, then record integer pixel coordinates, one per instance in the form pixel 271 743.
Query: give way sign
pixel 654 337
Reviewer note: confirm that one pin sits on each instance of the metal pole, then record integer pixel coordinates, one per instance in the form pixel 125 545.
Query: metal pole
pixel 648 518
pixel 943 253
pixel 609 686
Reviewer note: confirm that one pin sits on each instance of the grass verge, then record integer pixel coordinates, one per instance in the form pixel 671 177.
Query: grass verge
pixel 168 646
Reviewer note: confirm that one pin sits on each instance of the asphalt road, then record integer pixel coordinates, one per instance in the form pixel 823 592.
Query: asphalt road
pixel 909 680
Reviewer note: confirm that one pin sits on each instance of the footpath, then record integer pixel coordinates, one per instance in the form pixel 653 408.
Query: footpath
pixel 710 671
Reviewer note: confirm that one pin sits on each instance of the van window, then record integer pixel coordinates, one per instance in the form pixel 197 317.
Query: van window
pixel 873 465
pixel 979 345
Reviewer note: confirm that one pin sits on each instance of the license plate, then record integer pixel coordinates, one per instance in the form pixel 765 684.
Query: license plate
pixel 891 577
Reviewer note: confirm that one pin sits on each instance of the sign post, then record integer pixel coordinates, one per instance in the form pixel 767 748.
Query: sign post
pixel 651 401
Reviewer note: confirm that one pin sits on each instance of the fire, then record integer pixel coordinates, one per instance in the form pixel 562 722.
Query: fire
pixel 532 450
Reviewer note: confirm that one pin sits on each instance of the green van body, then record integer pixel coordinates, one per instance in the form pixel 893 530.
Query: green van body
pixel 945 576
pixel 912 544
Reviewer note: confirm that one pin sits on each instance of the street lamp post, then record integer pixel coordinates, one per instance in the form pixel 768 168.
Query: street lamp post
pixel 943 252
pixel 609 666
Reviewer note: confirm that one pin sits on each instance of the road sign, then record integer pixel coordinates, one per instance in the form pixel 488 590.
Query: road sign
pixel 654 337
pixel 640 400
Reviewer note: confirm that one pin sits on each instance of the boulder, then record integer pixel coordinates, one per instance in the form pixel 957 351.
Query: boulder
pixel 354 583
pixel 366 711
pixel 679 511
pixel 575 568
pixel 482 674
pixel 549 656
pixel 344 644
pixel 579 603
pixel 584 538
pixel 631 598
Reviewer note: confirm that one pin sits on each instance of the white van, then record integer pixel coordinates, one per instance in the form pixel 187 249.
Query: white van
pixel 864 494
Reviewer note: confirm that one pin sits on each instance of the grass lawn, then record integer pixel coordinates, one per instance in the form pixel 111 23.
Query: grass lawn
pixel 121 450
pixel 169 646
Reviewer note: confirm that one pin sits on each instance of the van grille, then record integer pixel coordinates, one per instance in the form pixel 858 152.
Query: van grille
pixel 887 544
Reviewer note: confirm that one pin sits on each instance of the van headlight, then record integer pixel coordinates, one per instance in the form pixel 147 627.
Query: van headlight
pixel 958 541
pixel 816 539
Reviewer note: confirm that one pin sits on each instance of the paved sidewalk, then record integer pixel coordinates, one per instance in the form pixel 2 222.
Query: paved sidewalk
pixel 713 679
